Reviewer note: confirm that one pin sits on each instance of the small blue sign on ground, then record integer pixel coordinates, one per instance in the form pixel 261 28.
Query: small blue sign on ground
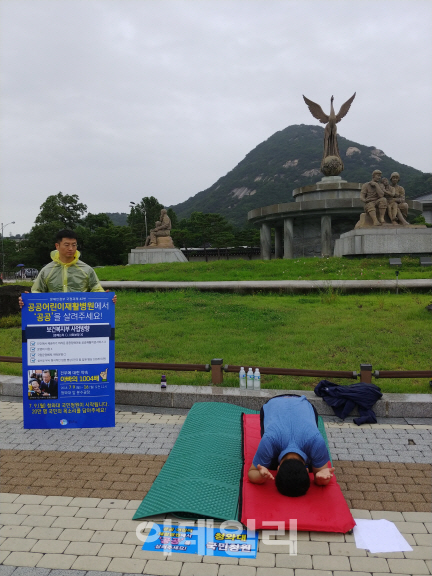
pixel 68 360
pixel 205 541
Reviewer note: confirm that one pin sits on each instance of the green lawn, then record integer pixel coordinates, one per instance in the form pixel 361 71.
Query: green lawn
pixel 297 269
pixel 321 331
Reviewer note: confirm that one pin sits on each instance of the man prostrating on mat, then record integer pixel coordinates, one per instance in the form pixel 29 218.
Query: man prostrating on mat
pixel 290 442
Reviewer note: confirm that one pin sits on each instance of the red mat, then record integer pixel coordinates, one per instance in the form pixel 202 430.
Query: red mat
pixel 321 509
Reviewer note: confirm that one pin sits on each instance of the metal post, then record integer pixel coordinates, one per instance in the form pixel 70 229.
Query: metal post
pixel 216 370
pixel 145 218
pixel 132 206
pixel 366 373
pixel 2 244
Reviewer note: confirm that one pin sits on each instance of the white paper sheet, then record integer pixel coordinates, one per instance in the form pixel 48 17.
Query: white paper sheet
pixel 379 536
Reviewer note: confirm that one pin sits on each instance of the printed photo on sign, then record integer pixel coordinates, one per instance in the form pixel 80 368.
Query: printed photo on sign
pixel 42 384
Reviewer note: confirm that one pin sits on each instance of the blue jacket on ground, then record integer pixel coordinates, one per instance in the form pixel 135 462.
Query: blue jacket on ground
pixel 343 399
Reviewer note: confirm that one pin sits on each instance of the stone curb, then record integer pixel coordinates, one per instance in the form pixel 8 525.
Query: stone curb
pixel 288 286
pixel 389 406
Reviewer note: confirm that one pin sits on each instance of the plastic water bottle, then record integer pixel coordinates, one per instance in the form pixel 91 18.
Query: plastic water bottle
pixel 257 379
pixel 163 381
pixel 250 379
pixel 242 376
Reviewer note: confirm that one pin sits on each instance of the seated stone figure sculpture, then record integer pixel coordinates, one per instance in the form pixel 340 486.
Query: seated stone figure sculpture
pixel 383 199
pixel 398 208
pixel 389 194
pixel 373 195
pixel 160 231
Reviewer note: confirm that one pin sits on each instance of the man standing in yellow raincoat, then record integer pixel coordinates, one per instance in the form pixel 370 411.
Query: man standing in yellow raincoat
pixel 66 273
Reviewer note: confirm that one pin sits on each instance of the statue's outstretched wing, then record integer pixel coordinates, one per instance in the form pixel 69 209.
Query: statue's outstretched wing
pixel 344 108
pixel 317 111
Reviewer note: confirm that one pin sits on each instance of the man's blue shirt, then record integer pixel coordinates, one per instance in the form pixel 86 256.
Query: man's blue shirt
pixel 289 426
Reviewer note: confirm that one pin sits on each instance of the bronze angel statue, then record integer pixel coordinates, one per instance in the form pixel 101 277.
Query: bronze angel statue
pixel 334 164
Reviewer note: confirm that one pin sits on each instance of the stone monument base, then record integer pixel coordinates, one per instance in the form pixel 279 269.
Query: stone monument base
pixel 155 255
pixel 161 242
pixel 386 239
pixel 367 222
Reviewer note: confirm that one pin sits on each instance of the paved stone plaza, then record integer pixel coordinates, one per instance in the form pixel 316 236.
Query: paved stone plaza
pixel 68 497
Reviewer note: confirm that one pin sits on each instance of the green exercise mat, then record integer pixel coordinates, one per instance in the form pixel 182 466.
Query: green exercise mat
pixel 201 477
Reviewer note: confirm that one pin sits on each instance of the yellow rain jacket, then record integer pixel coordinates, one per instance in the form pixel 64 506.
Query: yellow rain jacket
pixel 73 277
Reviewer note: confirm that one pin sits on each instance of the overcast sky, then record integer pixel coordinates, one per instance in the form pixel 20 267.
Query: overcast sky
pixel 115 100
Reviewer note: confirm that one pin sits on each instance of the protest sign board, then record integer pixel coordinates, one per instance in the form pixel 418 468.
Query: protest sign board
pixel 231 543
pixel 68 360
pixel 203 540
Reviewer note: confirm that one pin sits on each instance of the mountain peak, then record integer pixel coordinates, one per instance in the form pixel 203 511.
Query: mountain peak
pixel 289 159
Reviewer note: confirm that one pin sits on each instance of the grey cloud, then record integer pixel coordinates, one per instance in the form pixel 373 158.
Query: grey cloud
pixel 117 99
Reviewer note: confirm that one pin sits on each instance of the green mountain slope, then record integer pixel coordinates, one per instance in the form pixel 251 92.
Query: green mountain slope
pixel 289 159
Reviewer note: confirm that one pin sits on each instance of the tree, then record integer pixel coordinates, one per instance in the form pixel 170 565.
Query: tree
pixel 148 210
pixel 183 235
pixel 94 221
pixel 39 244
pixel 64 209
pixel 99 241
pixel 224 238
pixel 173 217
pixel 248 236
pixel 209 227
pixel 104 245
pixel 204 230
pixel 12 253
